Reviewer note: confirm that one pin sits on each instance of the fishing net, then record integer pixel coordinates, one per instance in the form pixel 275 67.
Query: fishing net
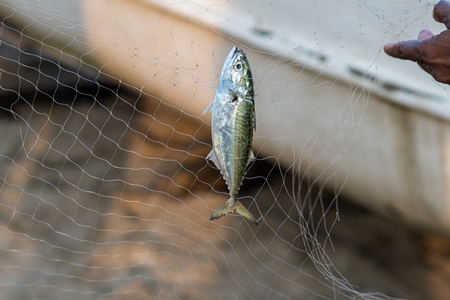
pixel 105 189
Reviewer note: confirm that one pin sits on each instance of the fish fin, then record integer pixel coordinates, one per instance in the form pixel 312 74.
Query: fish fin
pixel 233 207
pixel 233 96
pixel 208 108
pixel 212 156
pixel 251 157
pixel 254 119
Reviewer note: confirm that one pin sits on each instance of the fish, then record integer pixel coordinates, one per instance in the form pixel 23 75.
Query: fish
pixel 233 121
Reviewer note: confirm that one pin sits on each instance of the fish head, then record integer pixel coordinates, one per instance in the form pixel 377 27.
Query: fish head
pixel 237 71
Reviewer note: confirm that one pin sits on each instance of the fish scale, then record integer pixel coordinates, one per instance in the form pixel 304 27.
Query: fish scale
pixel 232 125
pixel 243 128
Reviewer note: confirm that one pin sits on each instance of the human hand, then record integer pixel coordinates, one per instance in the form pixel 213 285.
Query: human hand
pixel 431 52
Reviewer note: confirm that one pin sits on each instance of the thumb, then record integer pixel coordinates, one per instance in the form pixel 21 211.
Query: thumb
pixel 441 13
pixel 424 34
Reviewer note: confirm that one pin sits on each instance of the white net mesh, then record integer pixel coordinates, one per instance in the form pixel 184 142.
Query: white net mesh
pixel 105 189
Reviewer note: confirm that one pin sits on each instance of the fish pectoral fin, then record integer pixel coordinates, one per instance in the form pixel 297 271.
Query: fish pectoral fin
pixel 208 108
pixel 212 156
pixel 233 96
pixel 233 207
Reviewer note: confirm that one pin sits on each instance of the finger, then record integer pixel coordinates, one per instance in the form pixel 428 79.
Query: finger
pixel 424 34
pixel 404 50
pixel 441 13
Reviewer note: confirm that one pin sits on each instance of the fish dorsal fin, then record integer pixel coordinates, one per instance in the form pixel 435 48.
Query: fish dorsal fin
pixel 254 118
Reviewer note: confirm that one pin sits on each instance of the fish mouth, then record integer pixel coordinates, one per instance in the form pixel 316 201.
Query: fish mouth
pixel 229 60
pixel 232 55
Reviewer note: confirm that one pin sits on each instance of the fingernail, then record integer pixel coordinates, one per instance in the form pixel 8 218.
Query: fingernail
pixel 424 34
pixel 388 46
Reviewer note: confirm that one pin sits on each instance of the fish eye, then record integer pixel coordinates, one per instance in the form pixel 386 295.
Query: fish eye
pixel 238 66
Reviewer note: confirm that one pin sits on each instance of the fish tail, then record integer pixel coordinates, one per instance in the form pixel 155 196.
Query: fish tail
pixel 233 207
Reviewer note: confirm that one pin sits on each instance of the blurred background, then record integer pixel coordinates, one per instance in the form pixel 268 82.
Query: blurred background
pixel 105 191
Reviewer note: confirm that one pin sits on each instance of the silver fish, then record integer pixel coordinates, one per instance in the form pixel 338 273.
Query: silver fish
pixel 232 124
